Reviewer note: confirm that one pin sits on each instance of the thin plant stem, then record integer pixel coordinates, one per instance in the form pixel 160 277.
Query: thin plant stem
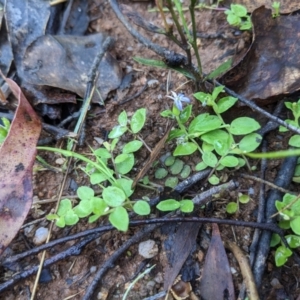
pixel 194 40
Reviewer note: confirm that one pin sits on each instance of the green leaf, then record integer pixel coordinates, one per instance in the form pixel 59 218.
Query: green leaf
pixel 138 120
pixel 122 119
pixel 214 180
pixel 6 123
pixel 125 166
pixel 295 225
pixel 85 193
pixel 65 205
pixel 117 131
pixel 161 64
pixel 185 114
pixel 51 217
pixel 204 123
pixel 94 218
pixel 281 255
pixel 231 207
pixel 121 157
pixel 167 114
pixel 220 140
pixel 96 178
pixel 250 142
pixel 186 171
pixel 244 198
pixel 99 207
pixel 243 125
pixel 284 224
pixel 210 159
pixel 161 173
pixel 171 182
pixel 288 121
pixel 225 66
pixel 175 133
pixel 132 146
pixel 207 147
pixel 83 209
pixel 217 90
pixel 204 98
pixel 275 240
pixel 239 10
pixel 168 205
pixel 113 196
pixel 102 152
pixel 225 103
pixel 71 218
pixel 294 141
pixel 233 19
pixel 177 167
pixel 229 161
pixel 60 222
pixel 185 149
pixel 142 208
pixel 201 166
pixel 171 159
pixel 186 206
pixel 293 240
pixel 119 218
pixel 125 185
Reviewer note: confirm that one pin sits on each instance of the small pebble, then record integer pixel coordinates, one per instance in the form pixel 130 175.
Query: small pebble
pixel 40 235
pixel 233 270
pixel 148 249
pixel 93 269
pixel 152 83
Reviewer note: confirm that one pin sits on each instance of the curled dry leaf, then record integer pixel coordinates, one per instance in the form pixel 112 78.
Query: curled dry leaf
pixel 17 157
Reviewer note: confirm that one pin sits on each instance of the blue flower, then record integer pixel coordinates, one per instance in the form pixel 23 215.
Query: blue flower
pixel 178 99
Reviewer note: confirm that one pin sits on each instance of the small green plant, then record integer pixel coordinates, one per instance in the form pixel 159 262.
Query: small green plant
pixel 4 128
pixel 294 107
pixel 209 134
pixel 238 16
pixel 232 207
pixel 289 212
pixel 276 8
pixel 108 171
pixel 173 166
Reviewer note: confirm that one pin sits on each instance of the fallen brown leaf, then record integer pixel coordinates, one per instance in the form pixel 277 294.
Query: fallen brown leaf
pixel 17 157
